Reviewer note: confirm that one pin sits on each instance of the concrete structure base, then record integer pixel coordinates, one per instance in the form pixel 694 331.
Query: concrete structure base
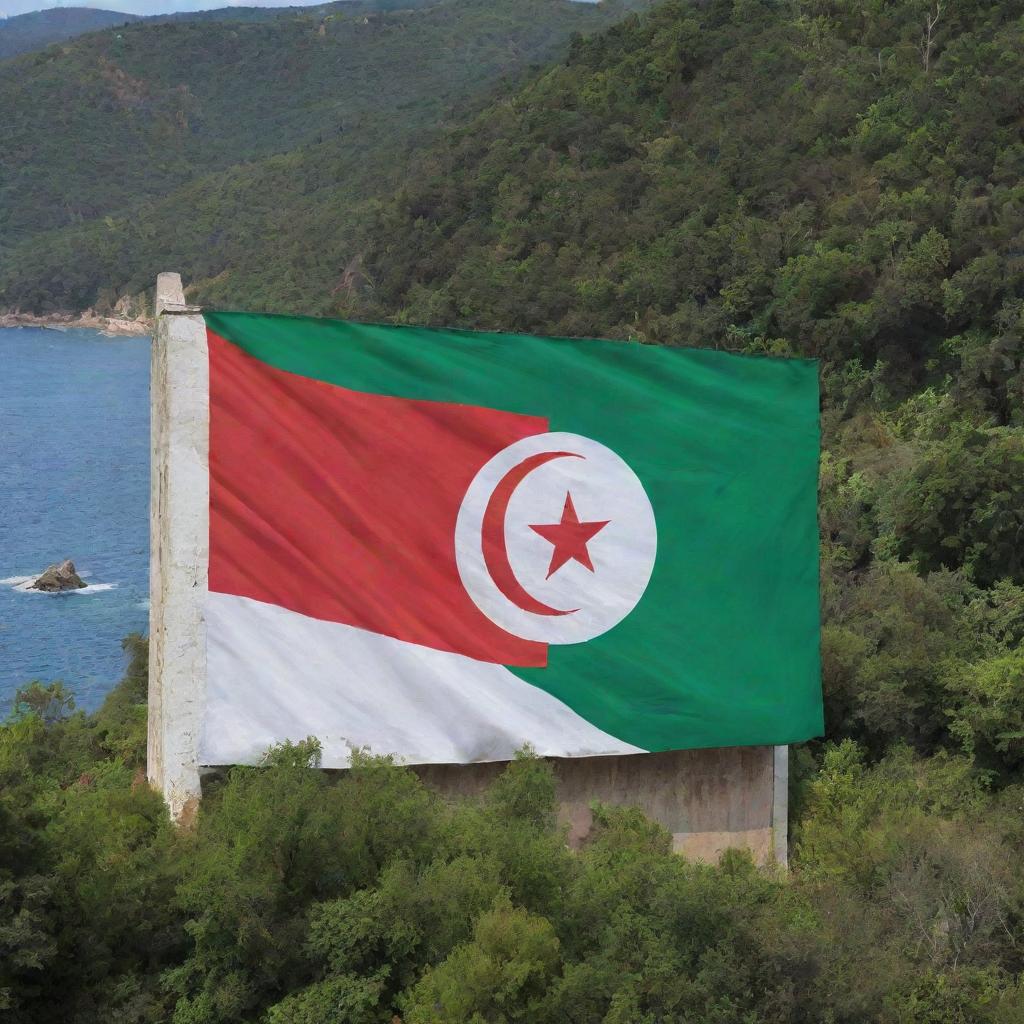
pixel 709 800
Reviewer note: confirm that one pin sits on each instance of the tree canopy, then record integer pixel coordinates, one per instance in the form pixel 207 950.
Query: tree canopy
pixel 206 143
pixel 302 898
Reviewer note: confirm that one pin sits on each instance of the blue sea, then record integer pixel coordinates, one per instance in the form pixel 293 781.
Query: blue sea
pixel 74 483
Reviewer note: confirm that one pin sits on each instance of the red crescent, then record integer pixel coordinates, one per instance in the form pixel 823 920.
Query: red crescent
pixel 492 535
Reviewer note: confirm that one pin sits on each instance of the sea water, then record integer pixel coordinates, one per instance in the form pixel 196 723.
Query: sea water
pixel 74 483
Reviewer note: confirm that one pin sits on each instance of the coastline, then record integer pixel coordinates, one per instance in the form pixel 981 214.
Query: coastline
pixel 109 325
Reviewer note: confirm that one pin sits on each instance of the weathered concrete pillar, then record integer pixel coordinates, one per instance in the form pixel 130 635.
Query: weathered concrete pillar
pixel 780 806
pixel 179 543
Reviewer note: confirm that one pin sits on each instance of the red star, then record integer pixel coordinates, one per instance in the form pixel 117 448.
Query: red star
pixel 569 537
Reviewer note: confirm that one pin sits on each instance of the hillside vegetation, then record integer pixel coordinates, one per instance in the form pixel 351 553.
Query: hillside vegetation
pixel 301 899
pixel 719 175
pixel 184 114
pixel 26 33
pixel 23 33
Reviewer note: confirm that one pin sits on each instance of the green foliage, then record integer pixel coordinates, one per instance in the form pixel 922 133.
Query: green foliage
pixel 880 651
pixel 362 898
pixel 341 1000
pixel 26 32
pixel 962 505
pixel 50 703
pixel 176 141
pixel 717 174
pixel 87 859
pixel 921 840
pixel 989 715
pixel 502 975
pixel 121 719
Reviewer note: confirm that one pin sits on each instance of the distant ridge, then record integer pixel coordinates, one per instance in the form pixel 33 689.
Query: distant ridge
pixel 24 33
pixel 234 132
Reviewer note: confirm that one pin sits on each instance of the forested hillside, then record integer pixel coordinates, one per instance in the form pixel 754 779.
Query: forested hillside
pixel 149 145
pixel 26 32
pixel 815 178
pixel 802 174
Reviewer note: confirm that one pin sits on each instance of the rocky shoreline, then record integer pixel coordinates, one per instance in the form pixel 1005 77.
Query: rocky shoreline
pixel 59 577
pixel 111 325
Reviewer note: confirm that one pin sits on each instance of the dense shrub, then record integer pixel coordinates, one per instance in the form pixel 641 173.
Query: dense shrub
pixel 302 898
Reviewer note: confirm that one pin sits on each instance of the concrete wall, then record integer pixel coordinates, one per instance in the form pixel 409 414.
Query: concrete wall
pixel 179 546
pixel 709 800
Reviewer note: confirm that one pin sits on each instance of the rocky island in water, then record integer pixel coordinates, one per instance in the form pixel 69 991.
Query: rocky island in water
pixel 58 577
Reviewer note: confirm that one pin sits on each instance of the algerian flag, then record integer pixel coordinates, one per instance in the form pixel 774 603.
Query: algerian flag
pixel 444 544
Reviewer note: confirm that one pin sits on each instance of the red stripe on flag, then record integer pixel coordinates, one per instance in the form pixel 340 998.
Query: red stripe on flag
pixel 342 505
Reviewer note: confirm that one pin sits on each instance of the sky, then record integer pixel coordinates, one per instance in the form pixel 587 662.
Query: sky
pixel 8 8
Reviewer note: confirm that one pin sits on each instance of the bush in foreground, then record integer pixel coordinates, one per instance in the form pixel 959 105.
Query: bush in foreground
pixel 302 898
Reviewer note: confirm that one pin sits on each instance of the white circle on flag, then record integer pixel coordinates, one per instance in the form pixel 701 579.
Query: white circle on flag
pixel 555 540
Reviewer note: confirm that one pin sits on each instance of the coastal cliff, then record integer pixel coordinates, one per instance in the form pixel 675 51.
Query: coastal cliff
pixel 128 316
